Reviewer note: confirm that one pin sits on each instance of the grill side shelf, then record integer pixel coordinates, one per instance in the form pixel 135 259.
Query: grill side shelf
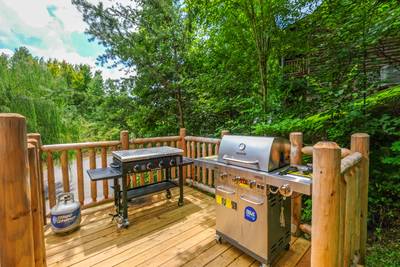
pixel 104 174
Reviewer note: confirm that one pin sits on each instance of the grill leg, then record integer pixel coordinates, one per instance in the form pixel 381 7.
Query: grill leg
pixel 125 221
pixel 180 202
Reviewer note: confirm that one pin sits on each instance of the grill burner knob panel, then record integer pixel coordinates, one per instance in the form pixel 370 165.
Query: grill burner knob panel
pixel 136 168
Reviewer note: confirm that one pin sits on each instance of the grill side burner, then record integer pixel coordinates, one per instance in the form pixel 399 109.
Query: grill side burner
pixel 253 210
pixel 131 162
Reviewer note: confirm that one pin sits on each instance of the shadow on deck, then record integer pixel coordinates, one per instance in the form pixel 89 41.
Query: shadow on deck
pixel 160 234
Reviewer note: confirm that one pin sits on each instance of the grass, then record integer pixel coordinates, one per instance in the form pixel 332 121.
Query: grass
pixel 384 251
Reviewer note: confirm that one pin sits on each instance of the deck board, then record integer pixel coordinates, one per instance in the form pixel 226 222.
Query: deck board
pixel 160 234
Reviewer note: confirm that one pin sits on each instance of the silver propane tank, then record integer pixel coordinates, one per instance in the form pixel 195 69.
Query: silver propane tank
pixel 66 215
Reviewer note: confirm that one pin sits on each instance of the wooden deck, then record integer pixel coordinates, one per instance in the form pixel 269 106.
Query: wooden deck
pixel 160 234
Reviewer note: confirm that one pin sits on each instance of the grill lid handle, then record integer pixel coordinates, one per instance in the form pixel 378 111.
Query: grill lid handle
pixel 252 162
pixel 243 197
pixel 224 190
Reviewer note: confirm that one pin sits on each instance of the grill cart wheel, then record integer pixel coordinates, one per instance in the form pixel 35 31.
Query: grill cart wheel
pixel 180 203
pixel 265 265
pixel 287 247
pixel 168 194
pixel 218 239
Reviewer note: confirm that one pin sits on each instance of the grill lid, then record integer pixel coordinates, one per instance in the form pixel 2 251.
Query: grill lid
pixel 254 152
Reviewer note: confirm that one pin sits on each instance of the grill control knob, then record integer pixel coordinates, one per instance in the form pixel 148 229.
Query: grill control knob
pixel 252 183
pixel 149 166
pixel 172 162
pixel 236 179
pixel 161 164
pixel 285 190
pixel 136 168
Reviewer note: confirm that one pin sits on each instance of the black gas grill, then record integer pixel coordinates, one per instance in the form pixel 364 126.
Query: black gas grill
pixel 132 162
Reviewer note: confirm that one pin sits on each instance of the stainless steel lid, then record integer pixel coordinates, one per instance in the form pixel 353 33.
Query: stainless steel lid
pixel 254 152
pixel 146 153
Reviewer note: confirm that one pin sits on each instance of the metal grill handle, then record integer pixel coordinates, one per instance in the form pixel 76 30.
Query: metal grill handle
pixel 252 162
pixel 223 190
pixel 242 197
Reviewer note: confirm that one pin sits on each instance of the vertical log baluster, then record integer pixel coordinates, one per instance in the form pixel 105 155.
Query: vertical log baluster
pixel 38 138
pixel 198 176
pixel 104 165
pixel 51 184
pixel 37 216
pixel 79 175
pixel 151 174
pixel 210 176
pixel 182 145
pixel 204 170
pixel 360 143
pixel 188 154
pixel 160 175
pixel 64 170
pixel 296 158
pixel 93 184
pixel 142 177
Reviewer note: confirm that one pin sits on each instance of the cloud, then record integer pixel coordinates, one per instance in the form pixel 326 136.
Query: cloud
pixel 50 29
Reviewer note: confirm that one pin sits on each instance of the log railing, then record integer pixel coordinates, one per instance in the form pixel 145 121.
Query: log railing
pixel 340 203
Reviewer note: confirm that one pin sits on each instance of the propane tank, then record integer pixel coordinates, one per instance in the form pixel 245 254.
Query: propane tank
pixel 66 215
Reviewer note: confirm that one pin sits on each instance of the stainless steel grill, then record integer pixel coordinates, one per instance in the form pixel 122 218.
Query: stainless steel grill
pixel 253 189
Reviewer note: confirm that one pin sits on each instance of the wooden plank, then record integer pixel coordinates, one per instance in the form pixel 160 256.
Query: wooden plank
pixel 225 258
pixel 190 253
pixel 50 180
pixel 92 165
pixel 169 249
pixel 208 255
pixel 64 170
pixel 305 261
pixel 79 175
pixel 242 260
pixel 294 255
pixel 104 165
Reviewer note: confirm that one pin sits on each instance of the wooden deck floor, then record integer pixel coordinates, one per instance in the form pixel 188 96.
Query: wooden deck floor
pixel 160 234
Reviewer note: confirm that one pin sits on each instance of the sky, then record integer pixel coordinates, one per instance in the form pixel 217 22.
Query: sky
pixel 50 29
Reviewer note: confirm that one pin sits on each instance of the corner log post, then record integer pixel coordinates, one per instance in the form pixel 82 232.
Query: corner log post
pixel 124 139
pixel 16 234
pixel 360 142
pixel 326 201
pixel 296 144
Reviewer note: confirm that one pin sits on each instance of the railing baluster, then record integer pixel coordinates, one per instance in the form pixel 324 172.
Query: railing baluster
pixel 64 169
pixel 193 155
pixel 92 163
pixel 79 175
pixel 188 153
pixel 204 154
pixel 104 165
pixel 210 178
pixel 50 180
pixel 151 174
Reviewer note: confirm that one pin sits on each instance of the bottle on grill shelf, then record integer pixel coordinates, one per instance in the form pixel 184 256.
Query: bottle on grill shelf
pixel 66 215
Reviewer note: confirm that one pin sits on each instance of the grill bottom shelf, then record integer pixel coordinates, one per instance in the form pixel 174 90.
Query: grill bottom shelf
pixel 149 189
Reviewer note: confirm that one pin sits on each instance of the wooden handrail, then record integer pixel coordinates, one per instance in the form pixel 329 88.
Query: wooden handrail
pixel 203 139
pixel 350 161
pixel 308 150
pixel 73 146
pixel 155 139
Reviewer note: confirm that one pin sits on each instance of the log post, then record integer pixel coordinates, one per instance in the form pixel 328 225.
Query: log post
pixel 37 217
pixel 224 132
pixel 325 208
pixel 182 145
pixel 296 144
pixel 16 235
pixel 124 138
pixel 38 138
pixel 360 143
